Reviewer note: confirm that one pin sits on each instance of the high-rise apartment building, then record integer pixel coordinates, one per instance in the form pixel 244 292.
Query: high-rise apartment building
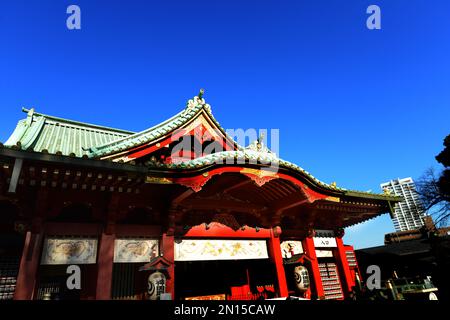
pixel 409 213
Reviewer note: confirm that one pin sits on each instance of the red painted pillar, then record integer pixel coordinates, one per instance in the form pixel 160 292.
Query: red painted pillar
pixel 29 263
pixel 105 264
pixel 277 259
pixel 31 254
pixel 308 247
pixel 168 252
pixel 343 263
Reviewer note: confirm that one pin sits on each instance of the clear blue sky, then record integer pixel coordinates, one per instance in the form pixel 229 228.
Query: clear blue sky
pixel 353 106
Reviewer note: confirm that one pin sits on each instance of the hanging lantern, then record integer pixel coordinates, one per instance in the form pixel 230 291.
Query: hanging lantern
pixel 156 285
pixel 301 278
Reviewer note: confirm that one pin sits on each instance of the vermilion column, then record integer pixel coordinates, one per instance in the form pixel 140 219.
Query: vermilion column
pixel 105 260
pixel 29 263
pixel 105 267
pixel 277 259
pixel 308 246
pixel 343 263
pixel 31 254
pixel 168 251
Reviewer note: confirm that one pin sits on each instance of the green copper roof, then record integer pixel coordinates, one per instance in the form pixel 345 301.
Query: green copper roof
pixel 43 133
pixel 193 108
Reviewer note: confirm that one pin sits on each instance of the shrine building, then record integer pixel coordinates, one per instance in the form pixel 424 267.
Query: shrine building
pixel 143 218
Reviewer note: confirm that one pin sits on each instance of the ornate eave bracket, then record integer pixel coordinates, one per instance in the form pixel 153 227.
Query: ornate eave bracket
pixel 195 183
pixel 260 177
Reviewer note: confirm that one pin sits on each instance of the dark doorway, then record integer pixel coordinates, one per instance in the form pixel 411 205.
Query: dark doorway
pixel 128 283
pixel 236 279
pixel 11 246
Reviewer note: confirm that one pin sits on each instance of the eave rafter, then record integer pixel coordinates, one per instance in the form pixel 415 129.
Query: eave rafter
pixel 222 205
pixel 182 196
pixel 237 186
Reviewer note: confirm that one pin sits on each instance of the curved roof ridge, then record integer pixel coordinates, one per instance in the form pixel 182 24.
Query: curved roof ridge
pixel 97 150
pixel 263 158
pixel 193 107
pixel 246 154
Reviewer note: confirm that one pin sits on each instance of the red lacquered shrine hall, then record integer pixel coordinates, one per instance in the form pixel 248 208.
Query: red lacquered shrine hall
pixel 142 218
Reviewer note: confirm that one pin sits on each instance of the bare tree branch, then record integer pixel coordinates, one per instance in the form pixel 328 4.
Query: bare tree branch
pixel 434 189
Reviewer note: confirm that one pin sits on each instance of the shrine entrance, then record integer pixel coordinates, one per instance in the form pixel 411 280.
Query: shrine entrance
pixel 224 269
pixel 225 280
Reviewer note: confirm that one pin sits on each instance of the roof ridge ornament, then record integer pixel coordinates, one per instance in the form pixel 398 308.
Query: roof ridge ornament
pixel 198 102
pixel 258 145
pixel 30 115
pixel 201 93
